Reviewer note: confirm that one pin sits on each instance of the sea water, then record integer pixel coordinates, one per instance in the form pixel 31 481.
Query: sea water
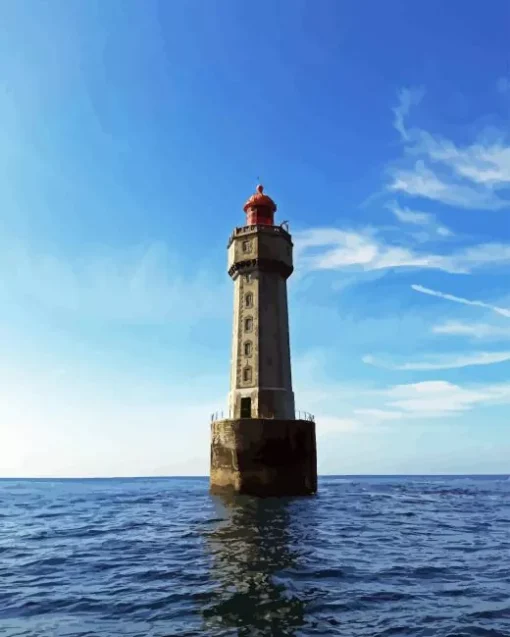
pixel 368 556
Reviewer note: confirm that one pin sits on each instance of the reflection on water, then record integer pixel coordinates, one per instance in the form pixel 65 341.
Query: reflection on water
pixel 251 548
pixel 366 557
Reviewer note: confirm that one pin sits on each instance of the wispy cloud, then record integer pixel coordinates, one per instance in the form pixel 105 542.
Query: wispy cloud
pixel 473 330
pixel 457 299
pixel 434 168
pixel 438 169
pixel 406 215
pixel 485 162
pixel 334 249
pixel 438 397
pixel 407 97
pixel 396 405
pixel 407 403
pixel 420 181
pixel 414 217
pixel 442 361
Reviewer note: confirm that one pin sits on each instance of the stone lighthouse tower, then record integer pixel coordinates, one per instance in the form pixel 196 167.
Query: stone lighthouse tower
pixel 262 449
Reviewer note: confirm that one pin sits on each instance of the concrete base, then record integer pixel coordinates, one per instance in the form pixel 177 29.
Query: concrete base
pixel 263 457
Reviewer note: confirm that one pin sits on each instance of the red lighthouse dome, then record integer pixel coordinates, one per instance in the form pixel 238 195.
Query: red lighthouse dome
pixel 260 209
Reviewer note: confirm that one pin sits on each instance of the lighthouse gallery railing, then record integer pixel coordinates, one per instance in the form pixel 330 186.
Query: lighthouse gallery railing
pixel 300 415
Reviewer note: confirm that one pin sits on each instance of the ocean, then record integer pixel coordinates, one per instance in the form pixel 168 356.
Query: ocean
pixel 367 557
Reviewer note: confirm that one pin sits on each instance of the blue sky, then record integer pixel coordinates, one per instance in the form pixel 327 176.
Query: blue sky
pixel 132 133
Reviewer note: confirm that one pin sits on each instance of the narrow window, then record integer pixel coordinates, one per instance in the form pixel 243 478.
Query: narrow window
pixel 246 246
pixel 248 324
pixel 249 300
pixel 247 374
pixel 247 278
pixel 247 348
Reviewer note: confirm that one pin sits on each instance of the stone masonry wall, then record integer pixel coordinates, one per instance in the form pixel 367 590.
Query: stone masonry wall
pixel 263 457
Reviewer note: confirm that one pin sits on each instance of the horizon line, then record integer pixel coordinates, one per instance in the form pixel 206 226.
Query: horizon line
pixel 206 477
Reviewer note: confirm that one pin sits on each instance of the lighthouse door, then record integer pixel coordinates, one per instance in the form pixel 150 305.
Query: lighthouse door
pixel 245 407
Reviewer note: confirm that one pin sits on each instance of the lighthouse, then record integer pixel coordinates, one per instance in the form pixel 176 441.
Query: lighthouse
pixel 262 448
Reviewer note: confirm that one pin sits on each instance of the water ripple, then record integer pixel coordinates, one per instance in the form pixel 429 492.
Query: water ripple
pixel 368 557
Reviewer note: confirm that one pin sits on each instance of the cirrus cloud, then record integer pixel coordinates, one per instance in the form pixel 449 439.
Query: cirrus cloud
pixel 438 169
pixel 458 299
pixel 442 361
pixel 367 250
pixel 473 330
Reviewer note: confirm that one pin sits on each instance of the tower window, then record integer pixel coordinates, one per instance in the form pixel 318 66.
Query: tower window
pixel 249 300
pixel 247 348
pixel 247 374
pixel 248 324
pixel 246 246
pixel 247 278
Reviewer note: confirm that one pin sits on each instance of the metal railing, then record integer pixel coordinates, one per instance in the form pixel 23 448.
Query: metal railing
pixel 305 415
pixel 263 227
pixel 300 415
pixel 218 415
pixel 281 229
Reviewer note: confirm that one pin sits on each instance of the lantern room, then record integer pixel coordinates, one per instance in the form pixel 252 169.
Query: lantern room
pixel 260 209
